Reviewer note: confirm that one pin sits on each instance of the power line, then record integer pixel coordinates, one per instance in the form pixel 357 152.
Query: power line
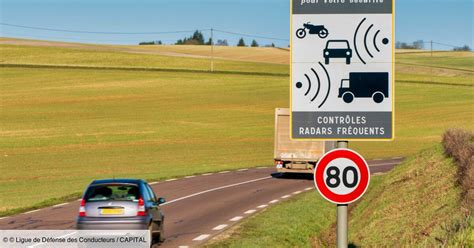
pixel 251 35
pixel 96 32
pixel 137 33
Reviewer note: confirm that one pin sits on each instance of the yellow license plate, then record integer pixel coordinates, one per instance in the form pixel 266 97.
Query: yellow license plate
pixel 111 211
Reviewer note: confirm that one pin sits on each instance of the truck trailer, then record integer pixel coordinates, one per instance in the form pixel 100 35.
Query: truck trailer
pixel 292 156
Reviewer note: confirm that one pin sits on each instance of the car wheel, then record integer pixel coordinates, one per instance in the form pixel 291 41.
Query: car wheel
pixel 348 61
pixel 326 61
pixel 151 236
pixel 378 97
pixel 348 97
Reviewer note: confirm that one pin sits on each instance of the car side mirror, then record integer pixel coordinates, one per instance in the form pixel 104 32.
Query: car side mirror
pixel 161 200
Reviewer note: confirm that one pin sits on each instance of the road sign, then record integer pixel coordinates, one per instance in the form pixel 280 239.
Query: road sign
pixel 342 176
pixel 342 69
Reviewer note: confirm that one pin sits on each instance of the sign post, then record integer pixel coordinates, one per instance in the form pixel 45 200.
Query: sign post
pixel 342 176
pixel 342 221
pixel 342 89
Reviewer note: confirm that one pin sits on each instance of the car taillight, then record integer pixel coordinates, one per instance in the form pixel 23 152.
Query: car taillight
pixel 141 207
pixel 82 208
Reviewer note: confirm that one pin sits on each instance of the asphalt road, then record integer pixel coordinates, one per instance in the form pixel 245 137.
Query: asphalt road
pixel 198 207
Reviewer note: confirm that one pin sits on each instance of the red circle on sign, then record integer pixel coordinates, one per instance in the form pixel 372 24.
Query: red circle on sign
pixel 357 192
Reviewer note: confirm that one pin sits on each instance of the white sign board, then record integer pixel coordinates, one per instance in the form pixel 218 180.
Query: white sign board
pixel 342 69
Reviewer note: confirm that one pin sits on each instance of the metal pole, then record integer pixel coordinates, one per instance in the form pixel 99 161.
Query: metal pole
pixel 342 213
pixel 431 48
pixel 212 50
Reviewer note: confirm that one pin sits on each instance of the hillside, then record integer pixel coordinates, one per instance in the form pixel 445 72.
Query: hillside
pixel 80 113
pixel 418 204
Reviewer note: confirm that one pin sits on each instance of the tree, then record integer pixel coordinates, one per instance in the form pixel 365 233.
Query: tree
pixel 209 42
pixel 419 44
pixel 463 48
pixel 254 43
pixel 197 36
pixel 196 39
pixel 222 43
pixel 273 45
pixel 241 43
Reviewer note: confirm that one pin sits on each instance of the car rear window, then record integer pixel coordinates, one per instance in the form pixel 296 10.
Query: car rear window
pixel 114 192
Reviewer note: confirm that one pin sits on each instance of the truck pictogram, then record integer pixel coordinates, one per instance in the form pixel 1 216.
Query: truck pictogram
pixel 364 85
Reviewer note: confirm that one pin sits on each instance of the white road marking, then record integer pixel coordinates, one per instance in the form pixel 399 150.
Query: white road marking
pixel 80 199
pixel 262 206
pixel 32 211
pixel 309 188
pixel 170 180
pixel 183 246
pixel 59 205
pixel 397 158
pixel 251 211
pixel 243 170
pixel 2 218
pixel 378 174
pixel 285 196
pixel 153 183
pixel 219 227
pixel 261 167
pixel 207 174
pixel 215 189
pixel 274 201
pixel 189 176
pixel 222 172
pixel 201 237
pixel 296 192
pixel 236 218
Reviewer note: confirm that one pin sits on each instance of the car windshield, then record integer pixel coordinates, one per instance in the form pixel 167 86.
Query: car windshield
pixel 338 45
pixel 112 193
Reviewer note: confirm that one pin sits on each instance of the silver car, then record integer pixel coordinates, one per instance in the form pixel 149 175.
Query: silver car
pixel 121 204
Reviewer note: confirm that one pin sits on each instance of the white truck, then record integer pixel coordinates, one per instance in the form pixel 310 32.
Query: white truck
pixel 295 156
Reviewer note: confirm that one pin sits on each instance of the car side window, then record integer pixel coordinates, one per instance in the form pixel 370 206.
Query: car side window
pixel 146 194
pixel 150 192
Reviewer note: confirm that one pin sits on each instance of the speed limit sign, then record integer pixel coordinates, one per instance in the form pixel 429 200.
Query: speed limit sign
pixel 342 176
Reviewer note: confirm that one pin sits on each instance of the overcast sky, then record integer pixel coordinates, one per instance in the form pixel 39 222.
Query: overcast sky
pixel 444 21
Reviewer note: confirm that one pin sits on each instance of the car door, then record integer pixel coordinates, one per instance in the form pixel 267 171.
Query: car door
pixel 153 204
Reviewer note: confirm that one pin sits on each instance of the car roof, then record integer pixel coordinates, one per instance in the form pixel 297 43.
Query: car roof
pixel 118 180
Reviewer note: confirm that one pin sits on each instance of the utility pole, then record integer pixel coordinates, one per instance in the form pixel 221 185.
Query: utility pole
pixel 431 48
pixel 342 213
pixel 212 49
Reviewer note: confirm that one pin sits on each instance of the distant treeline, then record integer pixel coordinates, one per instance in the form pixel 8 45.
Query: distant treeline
pixel 420 44
pixel 198 39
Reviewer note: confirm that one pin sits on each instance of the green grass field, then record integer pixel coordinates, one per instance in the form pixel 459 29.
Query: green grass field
pixel 416 205
pixel 61 127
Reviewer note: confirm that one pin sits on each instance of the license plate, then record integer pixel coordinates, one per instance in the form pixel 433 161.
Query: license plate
pixel 111 211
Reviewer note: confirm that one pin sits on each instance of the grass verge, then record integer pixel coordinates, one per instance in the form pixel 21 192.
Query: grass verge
pixel 289 224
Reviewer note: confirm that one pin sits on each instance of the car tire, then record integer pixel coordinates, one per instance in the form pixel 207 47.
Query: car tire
pixel 152 237
pixel 326 60
pixel 348 61
pixel 348 97
pixel 378 97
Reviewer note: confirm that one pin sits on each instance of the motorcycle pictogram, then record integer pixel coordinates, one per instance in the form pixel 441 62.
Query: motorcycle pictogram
pixel 320 30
